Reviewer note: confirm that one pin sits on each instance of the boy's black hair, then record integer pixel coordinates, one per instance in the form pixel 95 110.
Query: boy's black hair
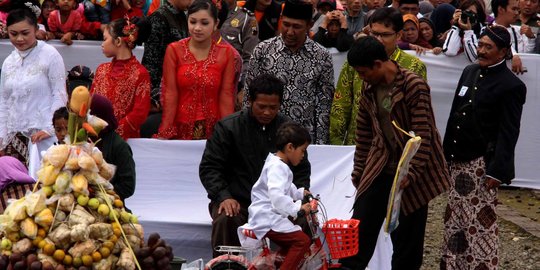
pixel 79 76
pixel 495 4
pixel 266 84
pixel 365 51
pixel 388 17
pixel 62 112
pixel 291 132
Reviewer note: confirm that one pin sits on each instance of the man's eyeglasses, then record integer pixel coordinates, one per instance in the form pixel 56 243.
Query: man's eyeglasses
pixel 381 35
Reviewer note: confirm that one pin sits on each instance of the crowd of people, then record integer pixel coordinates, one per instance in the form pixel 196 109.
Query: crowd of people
pixel 233 72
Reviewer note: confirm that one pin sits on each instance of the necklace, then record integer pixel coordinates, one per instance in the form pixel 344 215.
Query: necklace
pixel 24 54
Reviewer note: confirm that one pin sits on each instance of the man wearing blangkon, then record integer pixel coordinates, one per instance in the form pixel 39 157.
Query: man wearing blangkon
pixel 481 135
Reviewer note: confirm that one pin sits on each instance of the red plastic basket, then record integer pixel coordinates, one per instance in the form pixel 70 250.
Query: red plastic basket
pixel 342 237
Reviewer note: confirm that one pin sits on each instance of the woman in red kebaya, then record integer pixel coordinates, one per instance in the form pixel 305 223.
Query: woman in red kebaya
pixel 124 81
pixel 199 78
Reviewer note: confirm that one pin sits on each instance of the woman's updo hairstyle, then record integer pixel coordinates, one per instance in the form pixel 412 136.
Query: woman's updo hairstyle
pixel 207 5
pixel 25 10
pixel 126 29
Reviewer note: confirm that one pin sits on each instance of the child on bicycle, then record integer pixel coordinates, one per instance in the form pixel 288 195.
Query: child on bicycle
pixel 274 197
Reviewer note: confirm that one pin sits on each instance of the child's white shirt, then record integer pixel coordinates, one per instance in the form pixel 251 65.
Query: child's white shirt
pixel 274 197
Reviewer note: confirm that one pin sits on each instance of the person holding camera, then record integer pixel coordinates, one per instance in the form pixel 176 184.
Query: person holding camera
pixel 333 32
pixel 468 21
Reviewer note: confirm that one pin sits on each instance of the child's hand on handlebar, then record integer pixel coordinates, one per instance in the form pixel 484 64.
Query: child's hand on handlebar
pixel 306 207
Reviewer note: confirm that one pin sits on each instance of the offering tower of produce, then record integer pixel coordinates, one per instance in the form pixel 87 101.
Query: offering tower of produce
pixel 73 219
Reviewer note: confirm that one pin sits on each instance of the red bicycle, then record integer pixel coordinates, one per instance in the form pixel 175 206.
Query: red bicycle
pixel 340 238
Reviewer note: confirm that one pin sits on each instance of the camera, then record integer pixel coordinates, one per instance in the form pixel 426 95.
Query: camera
pixel 469 15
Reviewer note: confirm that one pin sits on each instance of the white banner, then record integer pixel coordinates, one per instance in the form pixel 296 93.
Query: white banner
pixel 171 200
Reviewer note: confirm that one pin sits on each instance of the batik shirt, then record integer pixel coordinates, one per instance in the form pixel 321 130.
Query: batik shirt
pixel 348 92
pixel 308 74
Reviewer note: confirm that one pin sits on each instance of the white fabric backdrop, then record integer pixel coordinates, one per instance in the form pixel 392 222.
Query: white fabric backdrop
pixel 170 199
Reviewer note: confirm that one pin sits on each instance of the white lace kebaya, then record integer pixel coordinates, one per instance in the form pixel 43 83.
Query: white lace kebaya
pixel 32 87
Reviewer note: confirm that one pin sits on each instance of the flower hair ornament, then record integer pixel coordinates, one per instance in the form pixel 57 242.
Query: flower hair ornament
pixel 35 9
pixel 131 32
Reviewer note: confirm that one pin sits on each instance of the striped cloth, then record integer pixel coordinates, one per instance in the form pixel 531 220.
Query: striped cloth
pixel 13 191
pixel 411 110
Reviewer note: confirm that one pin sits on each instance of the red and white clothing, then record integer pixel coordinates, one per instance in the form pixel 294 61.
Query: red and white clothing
pixel 73 23
pixel 126 83
pixel 197 90
pixel 274 197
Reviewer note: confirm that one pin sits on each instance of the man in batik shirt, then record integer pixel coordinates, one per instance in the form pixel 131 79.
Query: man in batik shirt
pixel 305 67
pixel 386 25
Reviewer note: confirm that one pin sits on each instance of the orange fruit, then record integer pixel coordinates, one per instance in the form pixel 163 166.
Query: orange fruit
pixel 42 244
pixel 36 241
pixel 115 225
pixel 41 233
pixel 77 262
pixel 118 203
pixel 117 232
pixel 105 252
pixel 87 260
pixel 108 244
pixel 49 249
pixel 113 238
pixel 68 260
pixel 59 255
pixel 96 256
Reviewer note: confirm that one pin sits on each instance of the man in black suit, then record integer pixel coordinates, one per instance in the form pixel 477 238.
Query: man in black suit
pixel 481 135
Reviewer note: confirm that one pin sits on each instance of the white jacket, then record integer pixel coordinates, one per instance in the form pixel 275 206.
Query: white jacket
pixel 274 198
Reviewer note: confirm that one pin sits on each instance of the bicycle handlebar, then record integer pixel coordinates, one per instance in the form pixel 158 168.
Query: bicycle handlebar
pixel 314 204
